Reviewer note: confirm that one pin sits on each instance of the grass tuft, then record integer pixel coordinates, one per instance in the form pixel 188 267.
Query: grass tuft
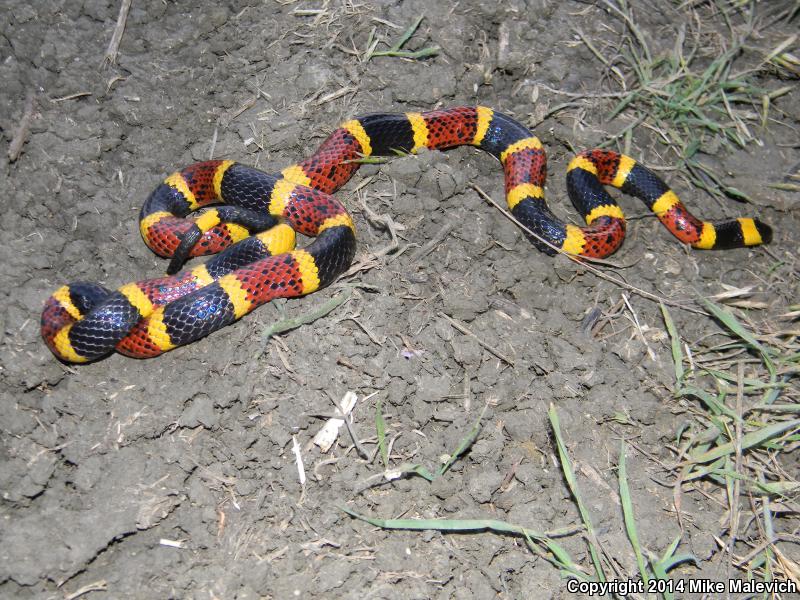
pixel 544 544
pixel 704 92
pixel 744 429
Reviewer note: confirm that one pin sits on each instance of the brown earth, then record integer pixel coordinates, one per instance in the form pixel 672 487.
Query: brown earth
pixel 103 462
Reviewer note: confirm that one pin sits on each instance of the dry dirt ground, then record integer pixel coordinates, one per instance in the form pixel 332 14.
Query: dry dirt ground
pixel 175 477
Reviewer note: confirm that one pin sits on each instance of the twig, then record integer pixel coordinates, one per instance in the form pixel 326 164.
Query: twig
pixel 463 329
pixel 21 135
pixel 553 90
pixel 345 417
pixel 246 105
pixel 70 97
pixel 433 242
pixel 110 56
pixel 97 586
pixel 650 352
pixel 298 460
pixel 334 95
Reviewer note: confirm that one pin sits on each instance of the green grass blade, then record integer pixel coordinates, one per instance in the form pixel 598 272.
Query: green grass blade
pixel 380 426
pixel 703 471
pixel 715 405
pixel 459 525
pixel 675 342
pixel 674 561
pixel 311 316
pixel 409 469
pixel 754 486
pixel 732 323
pixel 560 558
pixel 669 561
pixel 407 34
pixel 749 440
pixel 779 408
pixel 466 442
pixel 750 384
pixel 627 512
pixel 569 475
pixel 396 50
pixel 422 53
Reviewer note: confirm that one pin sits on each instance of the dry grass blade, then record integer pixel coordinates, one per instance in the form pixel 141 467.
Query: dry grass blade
pixel 732 323
pixel 23 128
pixel 110 57
pixel 782 59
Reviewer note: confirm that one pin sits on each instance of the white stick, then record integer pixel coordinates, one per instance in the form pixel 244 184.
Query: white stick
pixel 301 471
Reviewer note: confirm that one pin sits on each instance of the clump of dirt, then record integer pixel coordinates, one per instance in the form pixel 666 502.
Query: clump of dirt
pixel 177 476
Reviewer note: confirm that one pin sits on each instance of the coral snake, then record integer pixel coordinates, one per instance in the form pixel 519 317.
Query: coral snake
pixel 254 231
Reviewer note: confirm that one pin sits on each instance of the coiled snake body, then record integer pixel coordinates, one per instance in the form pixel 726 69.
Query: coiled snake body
pixel 85 321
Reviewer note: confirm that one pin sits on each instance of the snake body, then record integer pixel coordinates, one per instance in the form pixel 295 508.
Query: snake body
pixel 254 231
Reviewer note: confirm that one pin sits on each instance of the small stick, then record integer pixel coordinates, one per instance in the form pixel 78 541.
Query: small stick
pixel 650 352
pixel 434 241
pixel 760 548
pixel 334 95
pixel 345 416
pixel 463 329
pixel 21 135
pixel 553 90
pixel 248 104
pixel 502 45
pixel 506 484
pixel 213 141
pixel 298 459
pixel 97 586
pixel 375 339
pixel 110 56
pixel 70 97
